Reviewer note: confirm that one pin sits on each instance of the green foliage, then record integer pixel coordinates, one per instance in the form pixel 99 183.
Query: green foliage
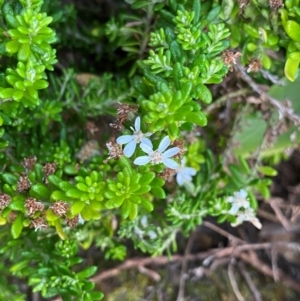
pixel 155 77
pixel 268 28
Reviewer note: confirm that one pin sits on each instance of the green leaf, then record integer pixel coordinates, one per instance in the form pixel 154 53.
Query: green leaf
pixel 291 69
pixel 294 56
pixel 12 46
pixel 9 178
pixel 17 226
pixel 140 4
pixel 40 84
pixel 157 182
pixel 39 286
pixel 71 169
pixel 142 190
pixel 90 271
pixel 196 7
pixel 133 212
pixel 17 203
pixel 158 192
pixel 173 129
pixel 39 172
pixel 19 266
pixel 24 52
pixel 77 207
pixel 96 296
pixel 125 209
pixel 58 196
pixel 147 204
pixel 9 15
pixel 7 93
pixel 199 118
pixel 267 171
pixel 292 28
pixel 54 180
pixel 65 186
pixel 40 191
pixel 74 193
pixel 203 93
pixel 213 14
pixel 147 178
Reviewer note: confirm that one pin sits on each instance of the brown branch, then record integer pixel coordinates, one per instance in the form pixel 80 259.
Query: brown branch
pixel 284 111
pixel 180 296
pixel 267 215
pixel 266 270
pixel 207 256
pixel 222 232
pixel 217 103
pixel 255 292
pixel 274 205
pixel 234 283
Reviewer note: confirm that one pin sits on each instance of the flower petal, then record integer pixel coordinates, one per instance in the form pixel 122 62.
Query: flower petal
pixel 255 222
pixel 129 149
pixel 179 179
pixel 124 139
pixel 147 148
pixel 234 209
pixel 190 171
pixel 143 160
pixel 147 142
pixel 171 152
pixel 137 124
pixel 242 194
pixel 170 163
pixel 164 144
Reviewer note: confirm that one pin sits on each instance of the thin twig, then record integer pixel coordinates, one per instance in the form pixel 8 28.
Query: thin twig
pixel 256 294
pixel 222 232
pixel 266 270
pixel 284 111
pixel 274 264
pixel 217 103
pixel 234 283
pixel 211 255
pixel 150 273
pixel 273 203
pixel 267 215
pixel 187 251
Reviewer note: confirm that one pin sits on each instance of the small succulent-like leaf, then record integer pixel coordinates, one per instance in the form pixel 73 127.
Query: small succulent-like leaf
pixel 147 204
pixel 40 191
pixel 17 226
pixel 77 207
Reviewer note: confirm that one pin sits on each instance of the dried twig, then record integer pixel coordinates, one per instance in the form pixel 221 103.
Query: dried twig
pixel 150 273
pixel 189 245
pixel 222 232
pixel 274 258
pixel 266 270
pixel 216 104
pixel 255 292
pixel 274 205
pixel 234 283
pixel 208 256
pixel 284 111
pixel 267 215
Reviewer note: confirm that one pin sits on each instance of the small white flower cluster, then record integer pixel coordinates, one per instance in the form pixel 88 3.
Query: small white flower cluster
pixel 161 155
pixel 242 210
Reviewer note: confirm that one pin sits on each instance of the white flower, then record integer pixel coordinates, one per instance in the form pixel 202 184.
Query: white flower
pixel 247 215
pixel 160 155
pixel 134 139
pixel 184 174
pixel 239 200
